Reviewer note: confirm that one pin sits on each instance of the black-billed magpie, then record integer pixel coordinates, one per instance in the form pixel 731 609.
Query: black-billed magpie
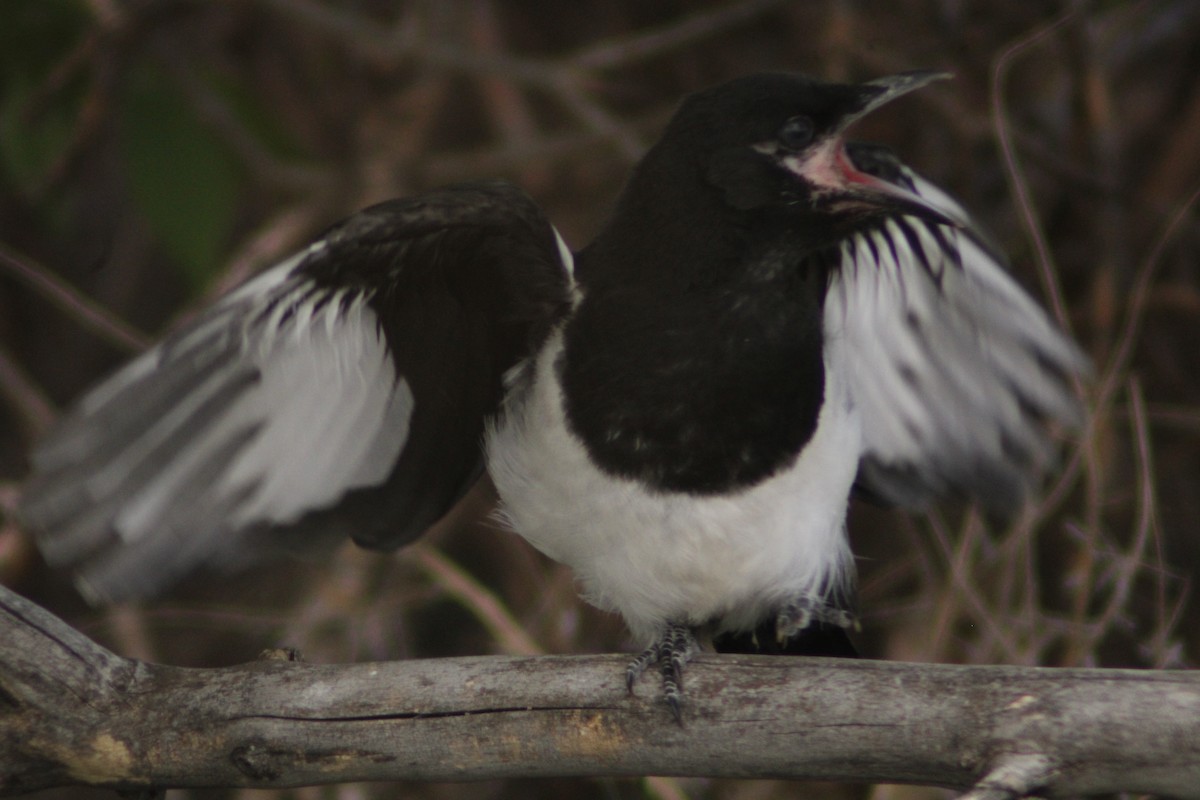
pixel 679 411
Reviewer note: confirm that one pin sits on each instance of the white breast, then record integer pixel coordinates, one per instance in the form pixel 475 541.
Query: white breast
pixel 658 556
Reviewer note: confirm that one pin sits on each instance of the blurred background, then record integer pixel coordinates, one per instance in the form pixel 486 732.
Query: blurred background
pixel 154 153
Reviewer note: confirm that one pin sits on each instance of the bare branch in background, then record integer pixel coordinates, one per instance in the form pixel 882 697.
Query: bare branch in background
pixel 24 396
pixel 74 304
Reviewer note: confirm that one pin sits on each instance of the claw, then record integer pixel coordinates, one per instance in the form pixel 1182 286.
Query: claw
pixel 674 697
pixel 673 648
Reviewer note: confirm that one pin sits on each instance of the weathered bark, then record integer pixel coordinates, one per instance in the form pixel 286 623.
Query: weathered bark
pixel 73 713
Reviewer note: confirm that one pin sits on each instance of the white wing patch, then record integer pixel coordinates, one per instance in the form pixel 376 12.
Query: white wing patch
pixel 276 402
pixel 953 367
pixel 332 415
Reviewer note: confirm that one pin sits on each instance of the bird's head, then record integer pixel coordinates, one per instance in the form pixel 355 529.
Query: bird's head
pixel 776 142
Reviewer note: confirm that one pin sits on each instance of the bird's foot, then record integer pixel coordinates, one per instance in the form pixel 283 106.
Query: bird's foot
pixel 674 647
pixel 798 614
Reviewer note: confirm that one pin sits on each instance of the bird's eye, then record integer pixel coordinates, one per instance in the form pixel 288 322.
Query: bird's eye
pixel 796 133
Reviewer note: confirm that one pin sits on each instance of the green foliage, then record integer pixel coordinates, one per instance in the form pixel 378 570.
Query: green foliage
pixel 36 129
pixel 182 178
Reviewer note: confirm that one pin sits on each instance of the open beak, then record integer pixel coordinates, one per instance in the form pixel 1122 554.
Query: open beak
pixel 882 91
pixel 832 171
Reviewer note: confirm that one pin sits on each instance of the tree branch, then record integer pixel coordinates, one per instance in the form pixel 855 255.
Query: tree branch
pixel 71 713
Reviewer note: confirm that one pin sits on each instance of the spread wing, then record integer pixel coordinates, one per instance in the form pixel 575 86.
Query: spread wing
pixel 955 369
pixel 342 392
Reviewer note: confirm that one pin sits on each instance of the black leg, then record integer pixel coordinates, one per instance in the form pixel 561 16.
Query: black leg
pixel 674 647
pixel 638 665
